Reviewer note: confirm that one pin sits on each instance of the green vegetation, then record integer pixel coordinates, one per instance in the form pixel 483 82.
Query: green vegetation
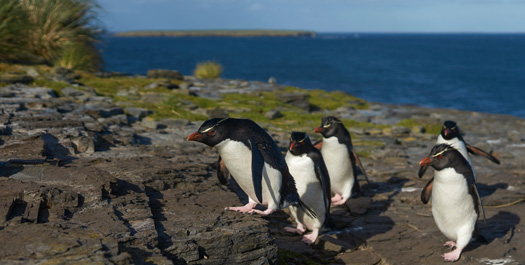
pixel 217 33
pixel 429 128
pixel 333 100
pixel 208 69
pixel 59 32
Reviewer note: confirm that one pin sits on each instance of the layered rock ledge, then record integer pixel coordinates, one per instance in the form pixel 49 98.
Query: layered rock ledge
pixel 85 180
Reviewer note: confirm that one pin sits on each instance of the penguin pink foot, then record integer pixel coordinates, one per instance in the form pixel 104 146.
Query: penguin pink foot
pixel 338 200
pixel 310 238
pixel 248 208
pixel 453 255
pixel 450 244
pixel 263 213
pixel 299 230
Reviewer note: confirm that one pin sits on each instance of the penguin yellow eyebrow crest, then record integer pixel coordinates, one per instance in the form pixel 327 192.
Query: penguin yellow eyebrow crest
pixel 440 153
pixel 302 140
pixel 326 126
pixel 208 129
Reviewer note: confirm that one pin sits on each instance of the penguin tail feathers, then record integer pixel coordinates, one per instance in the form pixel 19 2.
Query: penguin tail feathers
pixel 301 205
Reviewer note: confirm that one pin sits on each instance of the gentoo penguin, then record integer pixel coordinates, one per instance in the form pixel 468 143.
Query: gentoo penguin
pixel 450 135
pixel 339 159
pixel 254 160
pixel 455 199
pixel 313 185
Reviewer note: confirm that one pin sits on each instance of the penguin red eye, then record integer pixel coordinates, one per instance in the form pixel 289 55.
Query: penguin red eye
pixel 440 157
pixel 210 132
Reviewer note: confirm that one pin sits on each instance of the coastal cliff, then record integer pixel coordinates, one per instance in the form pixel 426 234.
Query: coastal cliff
pixel 97 170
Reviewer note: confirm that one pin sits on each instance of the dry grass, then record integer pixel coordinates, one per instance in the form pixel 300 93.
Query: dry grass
pixel 208 69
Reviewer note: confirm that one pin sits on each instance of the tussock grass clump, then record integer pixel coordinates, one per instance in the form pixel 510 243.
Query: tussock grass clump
pixel 12 25
pixel 80 56
pixel 208 69
pixel 50 32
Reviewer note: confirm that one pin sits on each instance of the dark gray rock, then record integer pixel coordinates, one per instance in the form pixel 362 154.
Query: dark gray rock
pixel 15 78
pixel 273 114
pixel 164 73
pixel 295 99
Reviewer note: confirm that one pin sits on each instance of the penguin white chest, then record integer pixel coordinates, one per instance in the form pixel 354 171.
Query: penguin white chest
pixel 302 169
pixel 238 159
pixel 452 205
pixel 337 160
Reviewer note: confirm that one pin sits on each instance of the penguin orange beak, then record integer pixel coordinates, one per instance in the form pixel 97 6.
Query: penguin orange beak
pixel 425 161
pixel 424 166
pixel 447 132
pixel 319 130
pixel 194 136
pixel 292 145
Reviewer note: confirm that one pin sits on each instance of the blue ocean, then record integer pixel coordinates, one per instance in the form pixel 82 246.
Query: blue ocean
pixel 476 72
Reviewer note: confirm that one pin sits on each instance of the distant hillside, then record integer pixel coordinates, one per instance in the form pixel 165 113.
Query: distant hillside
pixel 216 33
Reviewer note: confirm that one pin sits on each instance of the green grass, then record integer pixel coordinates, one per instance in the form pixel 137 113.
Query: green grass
pixel 434 128
pixel 56 86
pixel 333 100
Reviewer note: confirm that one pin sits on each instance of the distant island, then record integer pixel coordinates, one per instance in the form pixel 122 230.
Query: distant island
pixel 216 33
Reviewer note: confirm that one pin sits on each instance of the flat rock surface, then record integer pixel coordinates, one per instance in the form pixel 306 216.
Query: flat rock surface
pixel 80 184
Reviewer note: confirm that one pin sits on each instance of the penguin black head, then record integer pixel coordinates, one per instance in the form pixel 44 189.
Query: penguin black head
pixel 299 143
pixel 442 156
pixel 450 130
pixel 329 126
pixel 211 132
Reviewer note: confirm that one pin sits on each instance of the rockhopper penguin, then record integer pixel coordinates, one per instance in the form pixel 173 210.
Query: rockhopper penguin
pixel 254 161
pixel 455 200
pixel 340 159
pixel 313 185
pixel 450 135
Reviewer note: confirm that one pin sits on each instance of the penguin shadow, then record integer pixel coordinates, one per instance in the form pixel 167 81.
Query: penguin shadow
pixel 362 218
pixel 487 190
pixel 501 226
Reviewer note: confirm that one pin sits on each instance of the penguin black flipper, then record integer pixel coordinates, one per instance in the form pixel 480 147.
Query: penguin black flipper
pixel 355 189
pixel 479 204
pixel 360 165
pixel 422 170
pixel 222 172
pixel 321 173
pixel 257 170
pixel 427 191
pixel 476 151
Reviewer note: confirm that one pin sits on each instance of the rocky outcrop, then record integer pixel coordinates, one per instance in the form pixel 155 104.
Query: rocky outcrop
pixel 83 181
pixel 77 186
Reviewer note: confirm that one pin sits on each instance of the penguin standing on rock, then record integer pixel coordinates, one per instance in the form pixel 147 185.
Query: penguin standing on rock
pixel 455 199
pixel 255 162
pixel 450 135
pixel 313 185
pixel 340 159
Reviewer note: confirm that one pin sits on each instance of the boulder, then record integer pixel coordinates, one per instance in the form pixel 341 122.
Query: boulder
pixel 164 73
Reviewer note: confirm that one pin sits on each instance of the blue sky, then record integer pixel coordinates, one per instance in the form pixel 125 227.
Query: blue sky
pixel 318 15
